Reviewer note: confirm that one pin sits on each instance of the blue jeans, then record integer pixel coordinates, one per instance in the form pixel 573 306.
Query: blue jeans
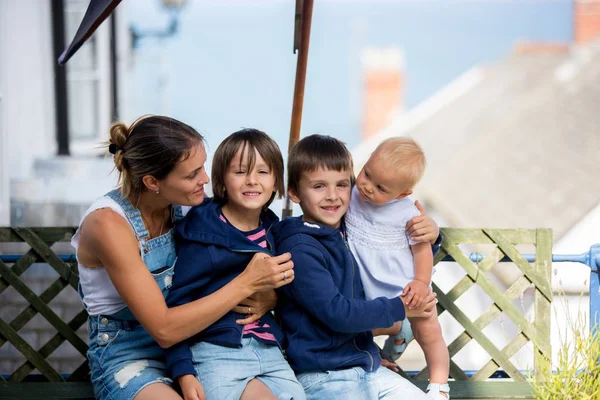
pixel 356 384
pixel 224 372
pixel 123 358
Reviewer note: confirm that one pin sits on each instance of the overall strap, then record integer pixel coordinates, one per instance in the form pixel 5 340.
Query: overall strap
pixel 133 214
pixel 177 212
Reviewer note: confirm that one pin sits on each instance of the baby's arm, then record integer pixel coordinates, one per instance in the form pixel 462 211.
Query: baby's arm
pixel 417 290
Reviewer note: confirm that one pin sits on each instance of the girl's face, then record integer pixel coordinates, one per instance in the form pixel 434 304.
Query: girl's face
pixel 185 183
pixel 249 189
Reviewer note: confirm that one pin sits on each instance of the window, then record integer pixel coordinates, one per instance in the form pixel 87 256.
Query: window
pixel 88 84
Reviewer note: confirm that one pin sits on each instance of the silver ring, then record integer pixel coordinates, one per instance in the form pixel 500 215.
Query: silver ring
pixel 284 276
pixel 249 310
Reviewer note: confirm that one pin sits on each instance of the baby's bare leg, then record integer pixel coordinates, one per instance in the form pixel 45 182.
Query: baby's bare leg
pixel 428 334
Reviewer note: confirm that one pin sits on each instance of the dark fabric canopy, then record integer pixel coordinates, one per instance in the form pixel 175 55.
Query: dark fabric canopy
pixel 97 12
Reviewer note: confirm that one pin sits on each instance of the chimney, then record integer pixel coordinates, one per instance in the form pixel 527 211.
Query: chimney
pixel 384 83
pixel 587 21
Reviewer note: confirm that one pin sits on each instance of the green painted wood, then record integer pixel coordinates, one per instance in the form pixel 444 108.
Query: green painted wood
pixel 81 374
pixel 461 390
pixel 439 256
pixel 482 268
pixel 542 303
pixel 509 350
pixel 47 234
pixel 538 279
pixel 476 334
pixel 25 369
pixel 27 314
pixel 40 239
pixel 488 316
pixel 40 363
pixel 80 390
pixel 48 255
pixel 47 391
pixel 503 303
pixel 19 267
pixel 43 309
pixel 478 236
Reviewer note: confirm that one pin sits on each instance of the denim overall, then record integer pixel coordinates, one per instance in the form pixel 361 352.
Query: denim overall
pixel 123 357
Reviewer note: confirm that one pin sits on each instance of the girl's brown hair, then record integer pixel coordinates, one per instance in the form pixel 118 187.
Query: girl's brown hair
pixel 250 141
pixel 151 145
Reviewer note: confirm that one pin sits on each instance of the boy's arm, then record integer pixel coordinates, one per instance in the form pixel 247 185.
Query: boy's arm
pixel 391 331
pixel 417 290
pixel 423 228
pixel 314 290
pixel 179 360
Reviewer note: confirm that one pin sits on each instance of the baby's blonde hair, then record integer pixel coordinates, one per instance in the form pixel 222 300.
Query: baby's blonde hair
pixel 404 156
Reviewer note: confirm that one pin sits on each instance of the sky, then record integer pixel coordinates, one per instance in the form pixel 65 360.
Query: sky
pixel 231 64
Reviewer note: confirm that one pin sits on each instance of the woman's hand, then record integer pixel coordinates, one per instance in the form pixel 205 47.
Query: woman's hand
pixel 425 311
pixel 191 388
pixel 267 273
pixel 256 306
pixel 422 228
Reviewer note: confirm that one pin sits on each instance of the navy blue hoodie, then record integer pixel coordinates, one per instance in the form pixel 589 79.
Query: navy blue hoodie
pixel 210 254
pixel 324 315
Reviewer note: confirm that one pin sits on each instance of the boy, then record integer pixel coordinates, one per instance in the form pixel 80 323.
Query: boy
pixel 323 312
pixel 390 263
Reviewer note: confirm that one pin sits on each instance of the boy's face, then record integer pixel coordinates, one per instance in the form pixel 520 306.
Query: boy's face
pixel 324 196
pixel 378 184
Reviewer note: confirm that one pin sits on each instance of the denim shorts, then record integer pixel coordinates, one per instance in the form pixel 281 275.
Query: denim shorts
pixel 224 372
pixel 356 384
pixel 123 358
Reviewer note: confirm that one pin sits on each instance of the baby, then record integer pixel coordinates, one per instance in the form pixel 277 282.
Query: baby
pixel 390 263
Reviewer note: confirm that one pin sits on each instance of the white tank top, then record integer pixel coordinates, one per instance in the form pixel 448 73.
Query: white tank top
pixel 100 295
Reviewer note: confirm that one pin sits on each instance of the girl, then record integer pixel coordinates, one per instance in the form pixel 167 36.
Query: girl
pixel 216 241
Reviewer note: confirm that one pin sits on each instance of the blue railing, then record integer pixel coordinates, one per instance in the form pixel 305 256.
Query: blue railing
pixel 590 258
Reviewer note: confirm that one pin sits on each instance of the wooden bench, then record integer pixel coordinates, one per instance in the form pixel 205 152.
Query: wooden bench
pixel 75 384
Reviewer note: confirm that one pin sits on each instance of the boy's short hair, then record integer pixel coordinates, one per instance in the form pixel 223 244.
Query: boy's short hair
pixel 248 140
pixel 314 152
pixel 404 156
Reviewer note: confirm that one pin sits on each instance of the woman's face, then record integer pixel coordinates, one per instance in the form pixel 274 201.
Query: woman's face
pixel 185 183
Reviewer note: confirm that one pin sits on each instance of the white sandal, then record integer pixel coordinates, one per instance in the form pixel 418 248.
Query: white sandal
pixel 435 390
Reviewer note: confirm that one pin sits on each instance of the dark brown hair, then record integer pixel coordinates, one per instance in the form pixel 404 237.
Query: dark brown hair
pixel 151 145
pixel 317 151
pixel 250 141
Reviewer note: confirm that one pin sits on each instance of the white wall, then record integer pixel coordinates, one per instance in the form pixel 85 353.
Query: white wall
pixel 26 84
pixel 4 182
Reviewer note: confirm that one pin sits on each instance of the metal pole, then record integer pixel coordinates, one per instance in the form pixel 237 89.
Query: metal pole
pixel 114 81
pixel 305 21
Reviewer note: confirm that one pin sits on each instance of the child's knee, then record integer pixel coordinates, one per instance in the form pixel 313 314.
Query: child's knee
pixel 427 331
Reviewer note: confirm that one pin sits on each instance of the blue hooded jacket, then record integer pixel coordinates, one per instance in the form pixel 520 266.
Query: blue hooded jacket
pixel 210 254
pixel 323 312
